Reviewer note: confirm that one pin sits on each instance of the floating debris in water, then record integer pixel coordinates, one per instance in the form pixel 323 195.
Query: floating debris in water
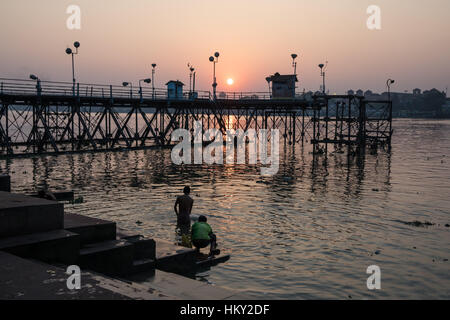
pixel 375 189
pixel 139 222
pixel 419 224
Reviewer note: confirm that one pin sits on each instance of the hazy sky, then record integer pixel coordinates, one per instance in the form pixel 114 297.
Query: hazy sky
pixel 121 38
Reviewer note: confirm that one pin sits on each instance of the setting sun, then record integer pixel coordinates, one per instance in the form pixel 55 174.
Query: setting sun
pixel 230 81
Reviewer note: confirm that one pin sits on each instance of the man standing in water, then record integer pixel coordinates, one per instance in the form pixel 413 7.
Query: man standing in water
pixel 183 208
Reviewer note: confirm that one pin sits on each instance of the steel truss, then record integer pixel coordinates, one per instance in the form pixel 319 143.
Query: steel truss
pixel 40 121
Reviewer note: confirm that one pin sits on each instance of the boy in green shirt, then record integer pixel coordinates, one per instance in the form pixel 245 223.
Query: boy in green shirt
pixel 202 236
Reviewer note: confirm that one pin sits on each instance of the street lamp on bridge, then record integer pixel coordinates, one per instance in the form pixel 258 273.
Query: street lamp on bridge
pixel 148 80
pixel 294 63
pixel 126 84
pixel 153 80
pixel 191 73
pixel 214 60
pixel 322 74
pixel 389 82
pixel 69 51
pixel 38 83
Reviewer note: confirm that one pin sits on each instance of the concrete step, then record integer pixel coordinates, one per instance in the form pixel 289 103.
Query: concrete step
pixel 91 230
pixel 20 215
pixel 53 246
pixel 144 248
pixel 22 279
pixel 143 265
pixel 114 258
pixel 59 195
pixel 206 261
pixel 173 258
pixel 185 288
pixel 5 183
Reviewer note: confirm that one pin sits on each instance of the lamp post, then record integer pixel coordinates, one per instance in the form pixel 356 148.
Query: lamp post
pixel 125 84
pixel 69 51
pixel 39 90
pixel 214 60
pixel 294 63
pixel 191 72
pixel 153 80
pixel 148 80
pixel 388 84
pixel 268 79
pixel 322 74
pixel 38 83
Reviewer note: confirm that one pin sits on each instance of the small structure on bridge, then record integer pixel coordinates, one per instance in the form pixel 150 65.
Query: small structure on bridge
pixel 175 89
pixel 283 86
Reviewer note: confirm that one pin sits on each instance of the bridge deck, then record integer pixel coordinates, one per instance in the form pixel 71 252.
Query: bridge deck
pixel 50 117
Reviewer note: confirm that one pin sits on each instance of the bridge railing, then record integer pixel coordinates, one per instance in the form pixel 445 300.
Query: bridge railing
pixel 30 87
pixel 254 96
pixel 33 87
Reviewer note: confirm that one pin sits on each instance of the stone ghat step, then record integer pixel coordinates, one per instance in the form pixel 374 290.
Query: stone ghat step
pixel 20 215
pixel 53 246
pixel 22 279
pixel 143 265
pixel 114 258
pixel 184 288
pixel 173 258
pixel 206 261
pixel 91 230
pixel 59 195
pixel 144 248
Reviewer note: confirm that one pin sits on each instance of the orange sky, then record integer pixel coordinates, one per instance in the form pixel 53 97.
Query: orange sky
pixel 120 39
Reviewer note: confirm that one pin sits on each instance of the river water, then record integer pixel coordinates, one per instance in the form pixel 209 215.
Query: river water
pixel 310 231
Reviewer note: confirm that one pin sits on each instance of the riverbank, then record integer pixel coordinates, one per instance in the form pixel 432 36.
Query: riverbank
pixel 38 241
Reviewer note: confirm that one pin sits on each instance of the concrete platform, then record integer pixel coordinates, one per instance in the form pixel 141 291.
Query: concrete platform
pixel 60 246
pixel 184 288
pixel 173 258
pixel 205 261
pixel 144 248
pixel 22 279
pixel 20 215
pixel 5 183
pixel 91 230
pixel 114 258
pixel 59 195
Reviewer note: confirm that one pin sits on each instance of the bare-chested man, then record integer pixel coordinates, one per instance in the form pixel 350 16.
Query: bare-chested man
pixel 183 208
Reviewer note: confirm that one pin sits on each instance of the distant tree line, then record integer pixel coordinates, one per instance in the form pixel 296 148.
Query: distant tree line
pixel 430 101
